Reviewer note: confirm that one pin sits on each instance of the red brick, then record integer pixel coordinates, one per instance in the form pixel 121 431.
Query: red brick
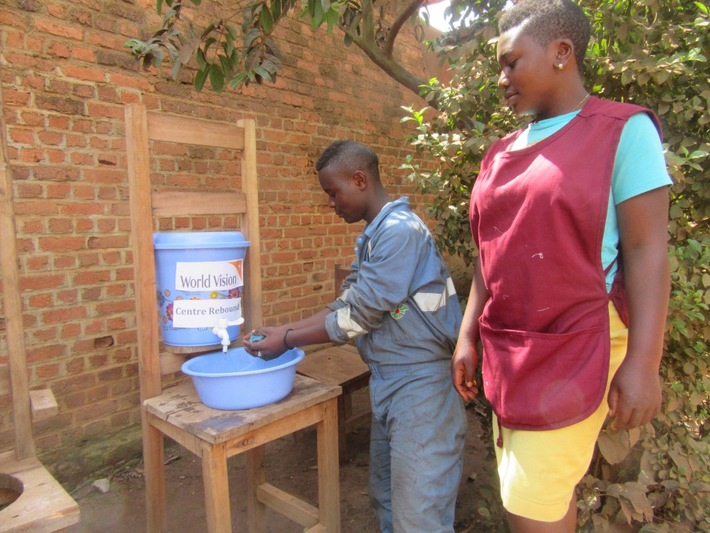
pixel 61 244
pixel 47 371
pixel 65 314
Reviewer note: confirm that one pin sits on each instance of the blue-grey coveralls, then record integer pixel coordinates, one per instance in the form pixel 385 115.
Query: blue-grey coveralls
pixel 400 303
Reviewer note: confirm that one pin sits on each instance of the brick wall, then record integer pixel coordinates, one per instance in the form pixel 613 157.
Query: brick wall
pixel 65 79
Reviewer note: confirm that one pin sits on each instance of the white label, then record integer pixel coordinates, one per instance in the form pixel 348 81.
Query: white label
pixel 220 280
pixel 208 276
pixel 205 313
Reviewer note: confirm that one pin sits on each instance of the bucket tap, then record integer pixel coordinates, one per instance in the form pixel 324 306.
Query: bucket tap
pixel 221 331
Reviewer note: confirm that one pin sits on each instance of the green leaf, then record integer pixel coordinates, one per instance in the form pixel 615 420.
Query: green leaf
pixel 267 22
pixel 276 10
pixel 200 78
pixel 238 80
pixel 216 78
pixel 201 60
pixel 261 71
pixel 250 37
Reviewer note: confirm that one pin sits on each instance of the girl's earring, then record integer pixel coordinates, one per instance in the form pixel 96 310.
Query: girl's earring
pixel 559 66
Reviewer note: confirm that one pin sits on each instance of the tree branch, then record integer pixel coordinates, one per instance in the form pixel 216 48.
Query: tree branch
pixel 399 21
pixel 365 41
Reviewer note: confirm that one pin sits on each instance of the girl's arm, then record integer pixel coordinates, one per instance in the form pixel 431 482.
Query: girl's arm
pixel 465 359
pixel 635 393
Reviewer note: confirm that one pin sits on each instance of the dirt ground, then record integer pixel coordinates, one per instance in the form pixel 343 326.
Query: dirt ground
pixel 291 465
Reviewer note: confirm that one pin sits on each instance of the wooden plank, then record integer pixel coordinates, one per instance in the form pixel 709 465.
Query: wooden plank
pixel 181 406
pixel 288 505
pixel 214 477
pixel 12 305
pixel 5 387
pixel 138 163
pixel 275 430
pixel 43 403
pixel 256 476
pixel 329 469
pixel 187 130
pixel 250 229
pixel 44 506
pixel 138 166
pixel 173 203
pixel 154 468
pixel 179 435
pixel 337 365
pixel 318 528
pixel 170 362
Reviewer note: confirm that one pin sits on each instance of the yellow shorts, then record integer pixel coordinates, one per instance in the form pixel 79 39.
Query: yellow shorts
pixel 539 470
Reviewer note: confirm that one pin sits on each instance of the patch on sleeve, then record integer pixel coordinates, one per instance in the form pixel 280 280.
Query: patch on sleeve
pixel 398 312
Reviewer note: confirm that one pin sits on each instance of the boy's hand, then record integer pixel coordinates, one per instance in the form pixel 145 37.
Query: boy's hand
pixel 266 343
pixel 463 368
pixel 634 396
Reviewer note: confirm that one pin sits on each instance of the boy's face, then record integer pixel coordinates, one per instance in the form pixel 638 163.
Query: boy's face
pixel 346 192
pixel 527 73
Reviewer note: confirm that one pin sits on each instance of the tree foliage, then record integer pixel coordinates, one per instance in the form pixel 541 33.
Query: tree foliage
pixel 654 53
pixel 239 47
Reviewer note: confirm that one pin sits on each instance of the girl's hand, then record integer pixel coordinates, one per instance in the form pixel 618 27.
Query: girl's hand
pixel 634 396
pixel 463 369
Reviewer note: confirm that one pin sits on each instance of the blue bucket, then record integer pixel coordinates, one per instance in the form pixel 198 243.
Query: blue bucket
pixel 199 280
pixel 237 380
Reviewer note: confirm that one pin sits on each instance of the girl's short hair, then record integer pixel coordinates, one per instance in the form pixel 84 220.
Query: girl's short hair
pixel 547 20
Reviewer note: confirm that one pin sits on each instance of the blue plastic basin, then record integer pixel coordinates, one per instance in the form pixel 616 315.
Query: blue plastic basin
pixel 237 380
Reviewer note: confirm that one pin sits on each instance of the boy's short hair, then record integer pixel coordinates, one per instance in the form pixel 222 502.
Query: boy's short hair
pixel 547 20
pixel 351 155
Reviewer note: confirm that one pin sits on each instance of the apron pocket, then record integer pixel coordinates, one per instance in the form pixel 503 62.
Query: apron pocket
pixel 540 381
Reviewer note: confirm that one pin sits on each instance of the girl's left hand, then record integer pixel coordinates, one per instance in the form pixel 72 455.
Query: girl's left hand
pixel 634 396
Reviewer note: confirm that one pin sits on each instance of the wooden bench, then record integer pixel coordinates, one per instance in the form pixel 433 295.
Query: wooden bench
pixel 341 366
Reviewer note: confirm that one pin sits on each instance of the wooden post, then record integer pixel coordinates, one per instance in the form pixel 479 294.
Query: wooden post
pixel 24 441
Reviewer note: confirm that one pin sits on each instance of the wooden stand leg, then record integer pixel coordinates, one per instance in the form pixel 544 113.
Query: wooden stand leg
pixel 256 511
pixel 342 432
pixel 329 469
pixel 214 475
pixel 153 462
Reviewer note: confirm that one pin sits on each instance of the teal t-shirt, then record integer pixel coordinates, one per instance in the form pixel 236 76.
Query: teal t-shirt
pixel 639 167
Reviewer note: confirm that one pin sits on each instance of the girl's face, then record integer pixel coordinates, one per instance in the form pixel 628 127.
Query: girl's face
pixel 527 75
pixel 345 193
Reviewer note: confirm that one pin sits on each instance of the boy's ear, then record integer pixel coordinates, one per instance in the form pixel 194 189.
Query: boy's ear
pixel 360 179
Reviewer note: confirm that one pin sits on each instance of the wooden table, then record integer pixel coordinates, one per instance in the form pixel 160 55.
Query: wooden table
pixel 216 435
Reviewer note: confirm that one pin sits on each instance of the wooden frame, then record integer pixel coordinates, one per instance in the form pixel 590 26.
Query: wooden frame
pixel 43 506
pixel 176 412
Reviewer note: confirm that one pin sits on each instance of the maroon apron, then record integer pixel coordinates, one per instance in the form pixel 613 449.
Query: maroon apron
pixel 538 216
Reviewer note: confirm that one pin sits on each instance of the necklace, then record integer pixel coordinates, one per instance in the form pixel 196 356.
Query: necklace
pixel 581 102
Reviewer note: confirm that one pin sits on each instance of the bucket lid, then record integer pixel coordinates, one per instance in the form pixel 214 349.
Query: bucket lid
pixel 199 239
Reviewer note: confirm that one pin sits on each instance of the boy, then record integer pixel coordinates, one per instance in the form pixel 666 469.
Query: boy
pixel 559 211
pixel 400 304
